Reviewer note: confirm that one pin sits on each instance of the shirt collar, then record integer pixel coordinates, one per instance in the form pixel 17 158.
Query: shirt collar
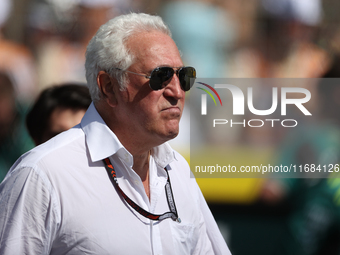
pixel 103 143
pixel 100 140
pixel 163 155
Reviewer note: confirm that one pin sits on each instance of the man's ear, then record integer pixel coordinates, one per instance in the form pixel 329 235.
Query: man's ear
pixel 108 87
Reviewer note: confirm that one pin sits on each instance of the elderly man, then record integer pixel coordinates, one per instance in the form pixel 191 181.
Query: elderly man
pixel 103 187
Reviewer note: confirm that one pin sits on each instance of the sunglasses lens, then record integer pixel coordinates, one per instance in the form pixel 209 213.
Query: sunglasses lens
pixel 187 76
pixel 159 76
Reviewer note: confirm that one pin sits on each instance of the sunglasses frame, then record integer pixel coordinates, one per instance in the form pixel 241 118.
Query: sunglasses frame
pixel 157 68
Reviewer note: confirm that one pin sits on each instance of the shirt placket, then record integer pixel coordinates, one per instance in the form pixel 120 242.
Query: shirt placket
pixel 157 186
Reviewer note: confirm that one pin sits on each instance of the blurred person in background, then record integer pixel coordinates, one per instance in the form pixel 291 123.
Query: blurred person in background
pixel 57 109
pixel 312 196
pixel 285 45
pixel 60 56
pixel 204 32
pixel 16 60
pixel 14 138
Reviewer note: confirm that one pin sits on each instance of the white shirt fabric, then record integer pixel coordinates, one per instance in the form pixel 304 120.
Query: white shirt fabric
pixel 58 199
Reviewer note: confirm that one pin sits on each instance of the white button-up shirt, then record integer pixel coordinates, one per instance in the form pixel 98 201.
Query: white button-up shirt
pixel 58 199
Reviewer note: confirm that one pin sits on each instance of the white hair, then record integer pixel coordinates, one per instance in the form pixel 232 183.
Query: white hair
pixel 107 50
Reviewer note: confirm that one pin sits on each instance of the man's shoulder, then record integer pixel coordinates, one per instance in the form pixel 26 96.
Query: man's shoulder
pixel 67 142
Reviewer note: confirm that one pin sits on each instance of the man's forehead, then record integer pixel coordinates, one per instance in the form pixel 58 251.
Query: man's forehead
pixel 149 40
pixel 154 46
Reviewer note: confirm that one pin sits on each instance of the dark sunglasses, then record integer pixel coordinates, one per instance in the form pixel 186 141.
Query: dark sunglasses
pixel 160 76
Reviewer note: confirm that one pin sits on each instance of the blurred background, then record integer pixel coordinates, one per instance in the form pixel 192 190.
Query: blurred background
pixel 43 42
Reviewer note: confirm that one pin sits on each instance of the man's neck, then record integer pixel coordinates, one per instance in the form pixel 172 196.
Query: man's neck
pixel 141 167
pixel 141 164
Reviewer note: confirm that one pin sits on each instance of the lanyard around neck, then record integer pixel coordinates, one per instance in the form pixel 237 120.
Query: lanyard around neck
pixel 168 191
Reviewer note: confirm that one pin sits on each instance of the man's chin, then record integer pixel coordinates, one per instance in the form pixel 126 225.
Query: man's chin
pixel 171 134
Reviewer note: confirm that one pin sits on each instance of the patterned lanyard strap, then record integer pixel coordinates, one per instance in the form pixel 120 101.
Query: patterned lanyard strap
pixel 168 191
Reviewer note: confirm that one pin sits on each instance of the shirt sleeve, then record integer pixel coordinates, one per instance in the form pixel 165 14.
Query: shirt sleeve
pixel 217 241
pixel 28 221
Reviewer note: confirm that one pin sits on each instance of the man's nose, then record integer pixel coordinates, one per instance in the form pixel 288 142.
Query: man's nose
pixel 173 89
